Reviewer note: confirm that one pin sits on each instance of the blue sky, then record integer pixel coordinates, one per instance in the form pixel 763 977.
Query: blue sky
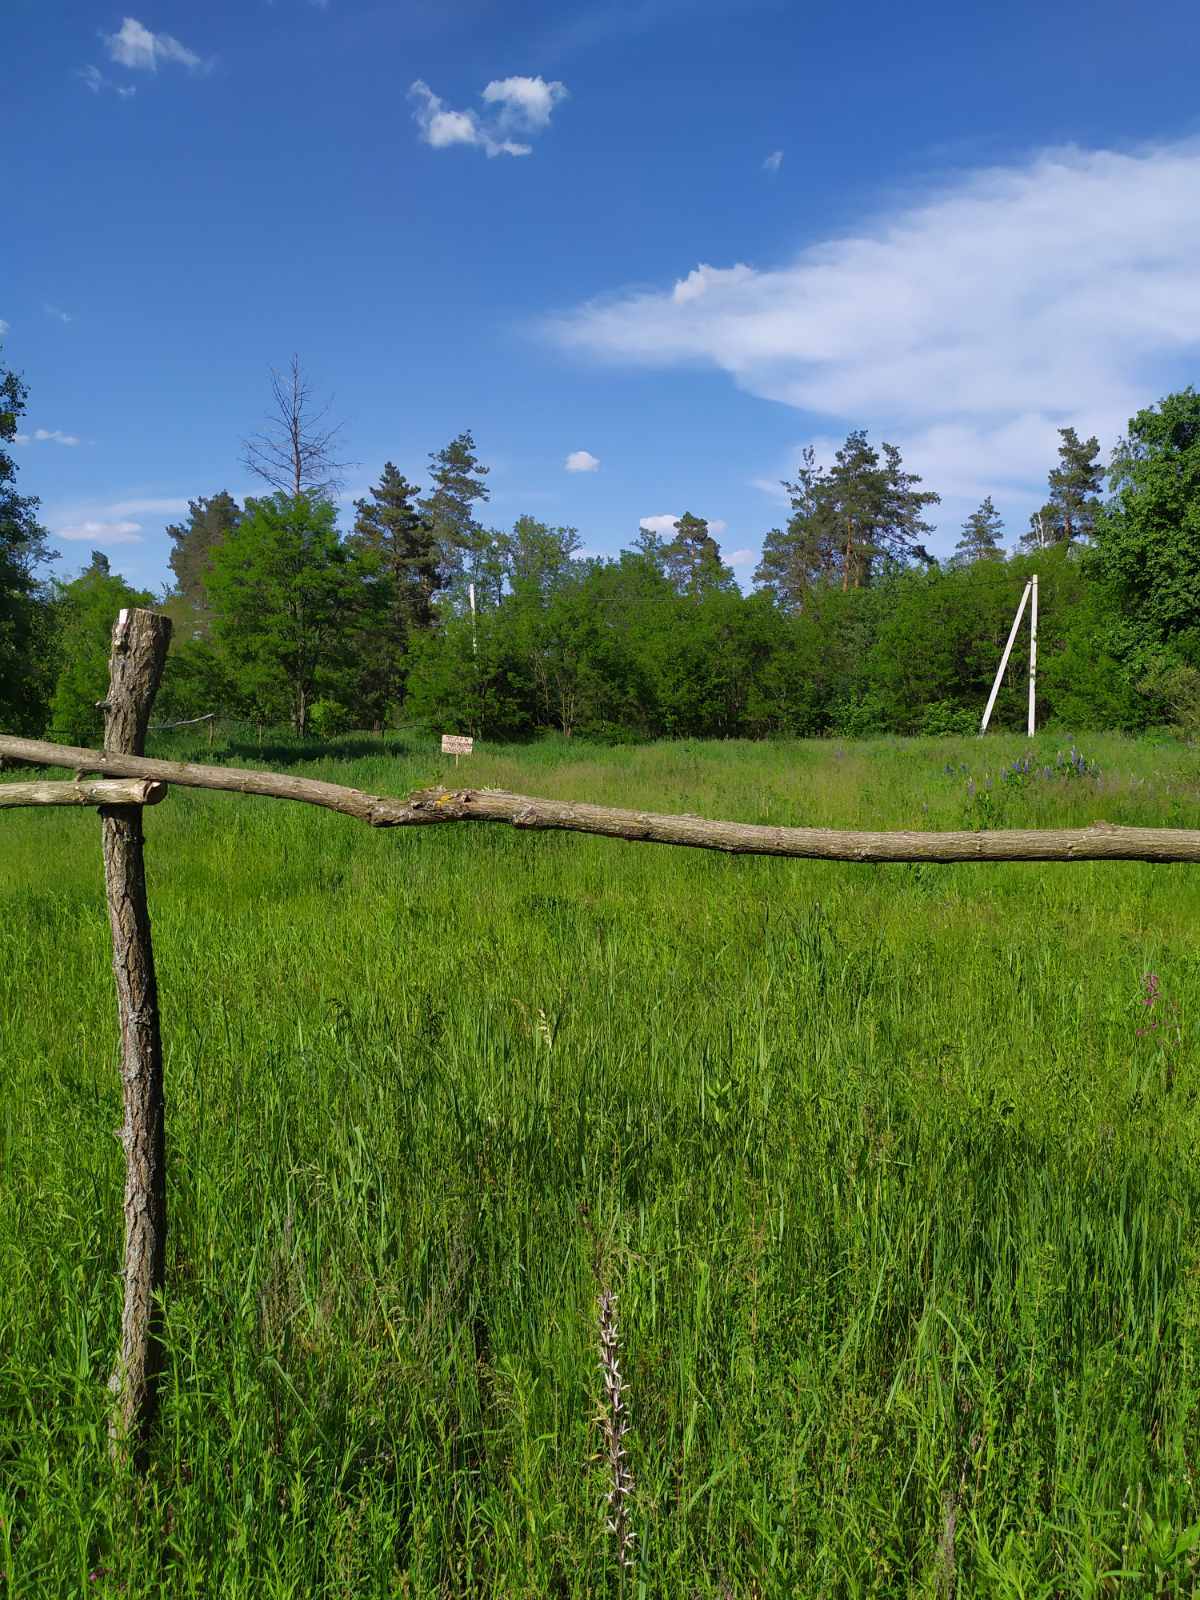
pixel 686 237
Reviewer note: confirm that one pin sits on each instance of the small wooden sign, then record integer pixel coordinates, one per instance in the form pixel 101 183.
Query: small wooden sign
pixel 457 744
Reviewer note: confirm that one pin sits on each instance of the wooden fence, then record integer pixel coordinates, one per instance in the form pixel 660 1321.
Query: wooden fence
pixel 130 781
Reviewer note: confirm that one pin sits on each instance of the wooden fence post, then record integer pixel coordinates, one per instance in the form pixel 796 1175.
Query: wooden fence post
pixel 139 650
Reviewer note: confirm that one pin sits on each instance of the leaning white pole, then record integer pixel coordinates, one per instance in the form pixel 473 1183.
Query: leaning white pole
pixel 1003 662
pixel 1033 656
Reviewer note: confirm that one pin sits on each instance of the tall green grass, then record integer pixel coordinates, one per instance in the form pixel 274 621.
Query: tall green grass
pixel 894 1180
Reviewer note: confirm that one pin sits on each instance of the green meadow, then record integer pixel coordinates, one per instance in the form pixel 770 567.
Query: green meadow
pixel 892 1169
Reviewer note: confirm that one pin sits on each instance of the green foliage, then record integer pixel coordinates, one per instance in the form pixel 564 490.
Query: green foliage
pixel 288 599
pixel 981 535
pixel 1147 542
pixel 692 559
pixel 1070 513
pixel 26 625
pixel 328 718
pixel 399 540
pixel 84 613
pixel 210 521
pixel 456 486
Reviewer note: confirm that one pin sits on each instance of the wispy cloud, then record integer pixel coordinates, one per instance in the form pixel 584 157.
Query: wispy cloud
pixel 46 436
pixel 519 106
pixel 773 162
pixel 95 80
pixel 136 47
pixel 742 558
pixel 113 522
pixel 4 327
pixel 959 325
pixel 102 533
pixel 167 507
pixel 58 312
pixel 582 461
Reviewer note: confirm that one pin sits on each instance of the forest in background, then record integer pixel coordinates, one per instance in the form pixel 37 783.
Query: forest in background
pixel 419 614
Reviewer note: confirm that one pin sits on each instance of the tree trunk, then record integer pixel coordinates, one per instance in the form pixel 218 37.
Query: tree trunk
pixel 139 650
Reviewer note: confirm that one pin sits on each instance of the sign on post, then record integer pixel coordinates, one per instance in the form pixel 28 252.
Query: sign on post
pixel 457 744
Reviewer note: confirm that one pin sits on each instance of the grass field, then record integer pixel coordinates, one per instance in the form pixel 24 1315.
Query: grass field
pixel 893 1170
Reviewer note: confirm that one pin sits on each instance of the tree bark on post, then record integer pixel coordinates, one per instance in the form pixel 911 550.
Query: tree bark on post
pixel 139 650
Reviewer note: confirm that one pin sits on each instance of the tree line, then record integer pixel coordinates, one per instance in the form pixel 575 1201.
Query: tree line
pixel 419 614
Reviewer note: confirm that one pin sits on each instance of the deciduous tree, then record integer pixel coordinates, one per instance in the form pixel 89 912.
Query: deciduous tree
pixel 288 598
pixel 24 612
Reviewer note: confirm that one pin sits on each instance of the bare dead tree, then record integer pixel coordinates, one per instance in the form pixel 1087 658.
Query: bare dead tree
pixel 296 451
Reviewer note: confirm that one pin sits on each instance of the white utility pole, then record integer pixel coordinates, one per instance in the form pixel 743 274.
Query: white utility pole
pixel 1004 660
pixel 1033 656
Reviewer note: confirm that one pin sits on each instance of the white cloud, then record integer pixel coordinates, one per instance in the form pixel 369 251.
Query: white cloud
pixel 102 532
pixel 774 161
pixel 20 438
pixel 4 327
pixel 521 105
pixel 53 436
pixel 57 311
pixel 134 46
pixel 663 525
pixel 527 102
pixel 967 326
pixel 742 558
pixel 582 461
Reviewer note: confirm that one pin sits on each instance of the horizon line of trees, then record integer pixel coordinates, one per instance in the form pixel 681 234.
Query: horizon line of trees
pixel 420 614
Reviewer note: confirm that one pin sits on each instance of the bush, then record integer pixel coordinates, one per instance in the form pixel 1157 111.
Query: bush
pixel 328 718
pixel 943 720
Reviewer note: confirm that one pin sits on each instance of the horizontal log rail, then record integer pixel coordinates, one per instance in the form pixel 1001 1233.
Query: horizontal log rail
pixel 1101 841
pixel 88 792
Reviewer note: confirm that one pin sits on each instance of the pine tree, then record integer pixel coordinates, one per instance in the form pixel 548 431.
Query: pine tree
pixel 797 558
pixel 1070 513
pixel 390 528
pixel 211 519
pixel 981 535
pixel 877 509
pixel 902 526
pixel 692 558
pixel 457 484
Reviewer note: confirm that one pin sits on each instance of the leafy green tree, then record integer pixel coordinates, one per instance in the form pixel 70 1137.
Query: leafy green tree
pixel 211 519
pixel 85 611
pixel 1070 513
pixel 25 619
pixel 289 603
pixel 399 539
pixel 1146 548
pixel 692 559
pixel 981 533
pixel 537 556
pixel 456 487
